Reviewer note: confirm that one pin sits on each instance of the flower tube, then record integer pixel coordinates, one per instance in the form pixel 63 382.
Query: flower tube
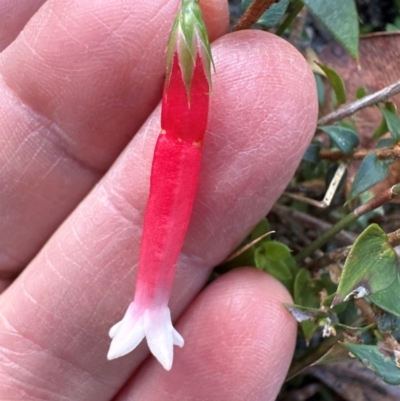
pixel 173 182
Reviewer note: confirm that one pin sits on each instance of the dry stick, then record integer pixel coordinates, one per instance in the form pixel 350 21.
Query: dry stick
pixel 366 101
pixel 330 192
pixel 256 9
pixel 246 247
pixel 372 204
pixel 390 153
pixel 394 238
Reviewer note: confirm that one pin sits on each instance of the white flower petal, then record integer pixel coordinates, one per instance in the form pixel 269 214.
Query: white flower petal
pixel 153 323
pixel 178 339
pixel 114 329
pixel 161 335
pixel 126 334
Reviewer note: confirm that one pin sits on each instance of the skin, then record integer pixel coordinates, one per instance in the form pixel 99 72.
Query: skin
pixel 79 90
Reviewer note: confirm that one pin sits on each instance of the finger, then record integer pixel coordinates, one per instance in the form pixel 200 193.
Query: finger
pixel 77 84
pixel 239 342
pixel 14 14
pixel 62 306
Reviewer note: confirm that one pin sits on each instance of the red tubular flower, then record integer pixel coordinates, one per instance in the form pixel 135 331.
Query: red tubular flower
pixel 174 176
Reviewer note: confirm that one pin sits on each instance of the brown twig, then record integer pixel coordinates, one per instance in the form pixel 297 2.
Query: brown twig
pixel 369 100
pixel 378 200
pixel 246 247
pixel 370 317
pixel 390 153
pixel 365 310
pixel 394 238
pixel 256 9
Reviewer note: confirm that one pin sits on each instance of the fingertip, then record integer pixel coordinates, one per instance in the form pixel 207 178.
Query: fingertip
pixel 216 17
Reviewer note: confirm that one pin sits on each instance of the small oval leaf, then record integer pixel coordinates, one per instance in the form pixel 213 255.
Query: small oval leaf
pixel 312 153
pixel 344 138
pixel 340 18
pixel 392 123
pixel 337 83
pixel 378 360
pixel 370 267
pixel 371 171
pixel 382 127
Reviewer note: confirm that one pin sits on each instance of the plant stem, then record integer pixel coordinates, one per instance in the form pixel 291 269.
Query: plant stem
pixel 326 236
pixel 366 101
pixel 298 27
pixel 372 204
pixel 312 356
pixel 256 9
pixel 312 222
pixel 289 19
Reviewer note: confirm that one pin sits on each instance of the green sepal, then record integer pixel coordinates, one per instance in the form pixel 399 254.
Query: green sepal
pixel 188 38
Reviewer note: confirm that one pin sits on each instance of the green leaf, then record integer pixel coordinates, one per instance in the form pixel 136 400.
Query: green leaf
pixel 385 143
pixel 312 153
pixel 337 83
pixel 344 138
pixel 297 7
pixel 276 251
pixel 388 299
pixel 260 229
pixel 272 16
pixel 361 92
pixel 340 18
pixel 391 28
pixel 392 122
pixel 370 267
pixel 306 294
pixel 320 89
pixel 383 128
pixel 275 258
pixel 371 171
pixel 378 360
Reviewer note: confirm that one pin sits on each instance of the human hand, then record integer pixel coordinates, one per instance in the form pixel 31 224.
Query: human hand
pixel 77 84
